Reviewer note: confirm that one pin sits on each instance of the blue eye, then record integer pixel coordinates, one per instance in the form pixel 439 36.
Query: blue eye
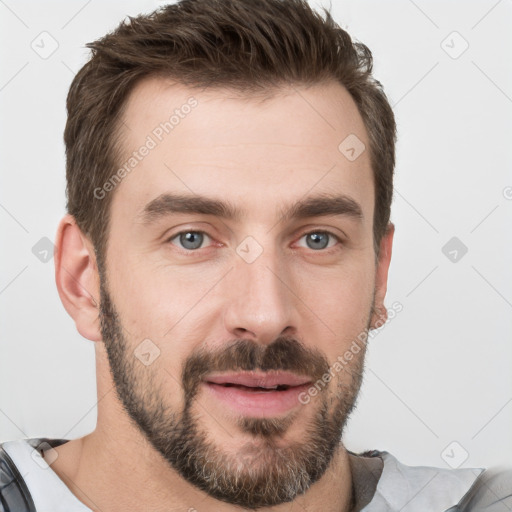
pixel 190 240
pixel 318 240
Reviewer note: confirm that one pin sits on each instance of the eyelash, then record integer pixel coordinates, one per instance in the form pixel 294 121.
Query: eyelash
pixel 327 250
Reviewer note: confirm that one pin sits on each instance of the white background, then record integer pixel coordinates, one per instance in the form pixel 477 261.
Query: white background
pixel 440 371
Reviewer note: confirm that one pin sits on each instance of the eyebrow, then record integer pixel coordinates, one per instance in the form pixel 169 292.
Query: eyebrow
pixel 313 206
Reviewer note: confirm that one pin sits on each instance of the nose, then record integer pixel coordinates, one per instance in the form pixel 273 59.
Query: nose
pixel 259 299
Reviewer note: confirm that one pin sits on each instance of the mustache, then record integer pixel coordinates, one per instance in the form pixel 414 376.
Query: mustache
pixel 285 354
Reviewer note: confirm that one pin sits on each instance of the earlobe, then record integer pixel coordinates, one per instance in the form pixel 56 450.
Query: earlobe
pixel 380 313
pixel 77 278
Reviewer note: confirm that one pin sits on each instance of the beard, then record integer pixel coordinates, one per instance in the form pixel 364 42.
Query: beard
pixel 260 473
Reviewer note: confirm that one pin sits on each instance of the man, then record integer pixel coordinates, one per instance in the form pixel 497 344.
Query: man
pixel 227 245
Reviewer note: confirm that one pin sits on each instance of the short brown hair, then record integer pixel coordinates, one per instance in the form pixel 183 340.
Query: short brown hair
pixel 246 45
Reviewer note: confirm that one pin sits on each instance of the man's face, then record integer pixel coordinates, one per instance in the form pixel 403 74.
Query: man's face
pixel 201 312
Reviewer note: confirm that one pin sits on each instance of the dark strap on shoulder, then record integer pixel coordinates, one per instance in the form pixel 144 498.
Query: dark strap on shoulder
pixel 366 469
pixel 14 493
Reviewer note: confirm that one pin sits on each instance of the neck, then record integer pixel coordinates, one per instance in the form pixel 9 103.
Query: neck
pixel 111 473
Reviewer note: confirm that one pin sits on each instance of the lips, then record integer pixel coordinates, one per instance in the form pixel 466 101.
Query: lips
pixel 257 394
pixel 273 381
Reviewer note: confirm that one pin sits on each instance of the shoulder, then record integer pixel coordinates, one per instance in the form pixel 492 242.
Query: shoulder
pixel 14 494
pixel 491 492
pixel 17 459
pixel 418 488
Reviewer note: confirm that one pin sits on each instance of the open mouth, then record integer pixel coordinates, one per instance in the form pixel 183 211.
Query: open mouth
pixel 279 387
pixel 257 394
pixel 272 380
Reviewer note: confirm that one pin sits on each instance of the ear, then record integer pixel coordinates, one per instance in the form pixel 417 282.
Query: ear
pixel 77 278
pixel 380 313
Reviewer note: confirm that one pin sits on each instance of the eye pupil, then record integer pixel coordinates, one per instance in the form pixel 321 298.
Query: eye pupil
pixel 320 240
pixel 191 239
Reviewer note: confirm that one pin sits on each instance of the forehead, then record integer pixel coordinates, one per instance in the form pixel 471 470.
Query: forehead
pixel 258 152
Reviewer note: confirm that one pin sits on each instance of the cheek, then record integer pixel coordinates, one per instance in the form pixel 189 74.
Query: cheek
pixel 149 298
pixel 170 306
pixel 343 303
pixel 341 297
pixel 142 305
